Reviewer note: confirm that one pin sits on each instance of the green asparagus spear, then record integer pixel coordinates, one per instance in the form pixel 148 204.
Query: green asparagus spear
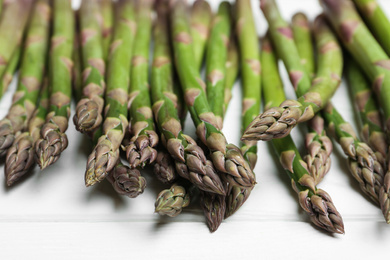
pixel 88 116
pixel 227 158
pixel 214 208
pixel 377 21
pixel 231 71
pixel 201 16
pixel 164 167
pixel 30 78
pixel 107 13
pixel 316 202
pixel 9 72
pixel 171 201
pixel 190 161
pixel 105 155
pixel 140 150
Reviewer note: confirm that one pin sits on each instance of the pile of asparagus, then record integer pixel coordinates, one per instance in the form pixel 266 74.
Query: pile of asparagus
pixel 132 104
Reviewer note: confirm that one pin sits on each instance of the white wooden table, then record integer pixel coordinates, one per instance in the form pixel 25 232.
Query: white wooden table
pixel 52 215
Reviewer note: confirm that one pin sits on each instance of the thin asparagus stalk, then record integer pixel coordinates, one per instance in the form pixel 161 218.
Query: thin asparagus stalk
pixel 232 68
pixel 190 161
pixel 30 79
pixel 277 122
pixel 214 208
pixel 107 12
pixel 227 158
pixel 105 155
pixel 301 29
pixel 127 181
pixel 315 202
pixel 201 16
pixel 164 167
pixel 88 116
pixel 9 72
pixel 53 138
pixel 20 156
pixel 368 53
pixel 216 57
pixel 377 21
pixel 140 151
pixel 13 21
pixel 171 201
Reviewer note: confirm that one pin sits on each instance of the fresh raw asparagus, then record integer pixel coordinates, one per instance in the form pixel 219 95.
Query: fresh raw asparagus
pixel 301 29
pixel 88 116
pixel 201 16
pixel 107 13
pixel 277 122
pixel 368 53
pixel 126 181
pixel 20 156
pixel 9 72
pixel 216 56
pixel 53 138
pixel 214 208
pixel 316 202
pixel 190 161
pixel 171 201
pixel 164 167
pixel 227 158
pixel 105 155
pixel 232 68
pixel 140 151
pixel 377 21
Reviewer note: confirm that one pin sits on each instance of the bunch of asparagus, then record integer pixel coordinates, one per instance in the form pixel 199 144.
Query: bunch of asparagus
pixel 99 55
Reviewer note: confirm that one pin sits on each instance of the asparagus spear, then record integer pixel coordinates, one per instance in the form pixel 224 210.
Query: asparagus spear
pixel 88 116
pixel 10 71
pixel 216 60
pixel 376 20
pixel 126 181
pixel 171 201
pixel 227 158
pixel 301 30
pixel 201 16
pixel 316 202
pixel 107 12
pixel 214 208
pixel 53 138
pixel 231 71
pixel 20 156
pixel 140 151
pixel 277 122
pixel 164 167
pixel 30 79
pixel 190 161
pixel 105 155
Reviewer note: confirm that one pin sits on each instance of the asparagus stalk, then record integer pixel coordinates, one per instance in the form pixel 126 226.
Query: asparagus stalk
pixel 201 16
pixel 88 116
pixel 301 30
pixel 10 71
pixel 107 12
pixel 277 122
pixel 315 202
pixel 231 71
pixel 20 156
pixel 227 158
pixel 376 20
pixel 190 161
pixel 127 181
pixel 171 201
pixel 105 155
pixel 140 151
pixel 164 167
pixel 368 53
pixel 30 79
pixel 216 57
pixel 214 208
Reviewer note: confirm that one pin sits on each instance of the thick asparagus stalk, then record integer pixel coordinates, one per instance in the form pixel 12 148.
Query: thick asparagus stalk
pixel 171 201
pixel 53 138
pixel 301 29
pixel 20 156
pixel 227 158
pixel 377 21
pixel 126 181
pixel 316 202
pixel 105 155
pixel 10 71
pixel 164 167
pixel 232 68
pixel 30 79
pixel 214 208
pixel 140 151
pixel 88 116
pixel 277 122
pixel 106 9
pixel 190 161
pixel 216 57
pixel 201 16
